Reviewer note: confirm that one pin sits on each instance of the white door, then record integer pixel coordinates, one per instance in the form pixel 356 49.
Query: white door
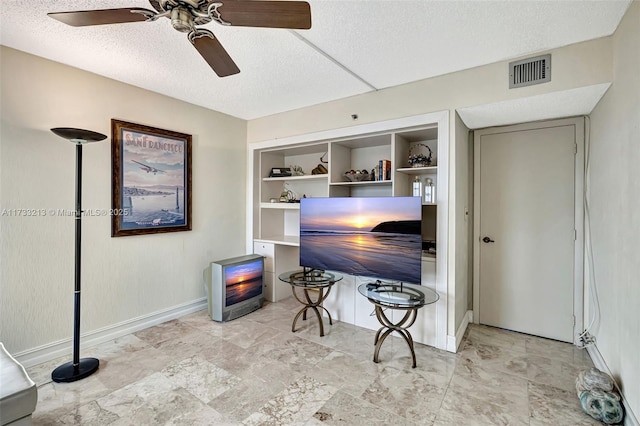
pixel 528 213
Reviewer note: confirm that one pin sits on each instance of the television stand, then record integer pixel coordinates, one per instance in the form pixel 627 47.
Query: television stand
pixel 405 297
pixel 314 280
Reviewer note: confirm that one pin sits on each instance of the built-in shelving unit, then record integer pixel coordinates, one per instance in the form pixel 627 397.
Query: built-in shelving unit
pixel 280 220
pixel 274 225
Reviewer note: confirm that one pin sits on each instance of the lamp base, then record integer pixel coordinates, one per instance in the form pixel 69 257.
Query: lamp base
pixel 67 372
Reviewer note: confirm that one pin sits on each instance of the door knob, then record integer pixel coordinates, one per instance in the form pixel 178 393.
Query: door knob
pixel 488 240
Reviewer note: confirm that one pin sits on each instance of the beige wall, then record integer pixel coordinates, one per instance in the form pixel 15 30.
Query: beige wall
pixel 614 184
pixel 574 66
pixel 123 278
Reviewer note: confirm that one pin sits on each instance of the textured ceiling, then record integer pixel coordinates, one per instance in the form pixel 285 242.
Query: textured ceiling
pixel 374 44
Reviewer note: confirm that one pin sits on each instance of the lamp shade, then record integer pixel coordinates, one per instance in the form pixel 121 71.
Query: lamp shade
pixel 78 135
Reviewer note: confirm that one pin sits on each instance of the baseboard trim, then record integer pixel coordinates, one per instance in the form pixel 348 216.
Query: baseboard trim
pixel 598 361
pixel 453 342
pixel 53 350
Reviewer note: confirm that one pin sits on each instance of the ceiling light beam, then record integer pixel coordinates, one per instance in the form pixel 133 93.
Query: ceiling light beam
pixel 332 59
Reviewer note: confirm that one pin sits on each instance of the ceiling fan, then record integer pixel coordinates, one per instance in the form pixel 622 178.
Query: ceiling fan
pixel 186 15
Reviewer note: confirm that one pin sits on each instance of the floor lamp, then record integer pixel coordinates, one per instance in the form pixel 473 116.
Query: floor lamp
pixel 78 368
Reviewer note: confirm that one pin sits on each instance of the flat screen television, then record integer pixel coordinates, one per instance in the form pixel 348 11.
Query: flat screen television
pixel 378 237
pixel 234 286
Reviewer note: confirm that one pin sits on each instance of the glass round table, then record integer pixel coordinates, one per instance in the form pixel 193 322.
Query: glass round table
pixel 313 280
pixel 406 297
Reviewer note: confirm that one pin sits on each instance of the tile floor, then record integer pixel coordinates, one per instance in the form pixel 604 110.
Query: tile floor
pixel 255 371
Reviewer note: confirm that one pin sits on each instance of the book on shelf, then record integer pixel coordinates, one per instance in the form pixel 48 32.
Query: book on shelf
pixel 384 170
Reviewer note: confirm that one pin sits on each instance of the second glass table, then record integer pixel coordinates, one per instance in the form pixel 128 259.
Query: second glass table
pixel 405 297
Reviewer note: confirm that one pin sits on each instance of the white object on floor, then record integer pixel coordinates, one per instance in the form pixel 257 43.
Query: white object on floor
pixel 18 393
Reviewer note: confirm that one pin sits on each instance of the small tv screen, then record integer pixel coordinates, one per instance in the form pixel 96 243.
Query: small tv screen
pixel 375 237
pixel 243 281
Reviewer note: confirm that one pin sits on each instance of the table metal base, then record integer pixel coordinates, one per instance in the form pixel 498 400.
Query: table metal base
pixel 309 303
pixel 389 327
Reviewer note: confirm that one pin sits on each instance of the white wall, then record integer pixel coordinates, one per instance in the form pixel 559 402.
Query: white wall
pixel 574 66
pixel 462 222
pixel 123 278
pixel 614 198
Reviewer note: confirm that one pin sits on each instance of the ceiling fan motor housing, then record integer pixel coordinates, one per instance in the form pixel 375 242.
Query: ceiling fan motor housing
pixel 181 20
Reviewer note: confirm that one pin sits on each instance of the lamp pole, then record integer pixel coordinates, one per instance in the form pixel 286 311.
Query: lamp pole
pixel 77 368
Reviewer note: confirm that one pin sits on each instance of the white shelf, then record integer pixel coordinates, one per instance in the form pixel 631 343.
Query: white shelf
pixel 418 170
pixel 303 177
pixel 363 183
pixel 282 206
pixel 285 240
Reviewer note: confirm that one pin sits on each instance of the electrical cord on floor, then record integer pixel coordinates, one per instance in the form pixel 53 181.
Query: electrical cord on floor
pixel 586 339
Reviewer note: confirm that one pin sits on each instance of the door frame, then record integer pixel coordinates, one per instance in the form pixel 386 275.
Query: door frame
pixel 579 179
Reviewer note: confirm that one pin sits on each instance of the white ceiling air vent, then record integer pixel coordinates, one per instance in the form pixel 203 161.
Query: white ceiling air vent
pixel 530 71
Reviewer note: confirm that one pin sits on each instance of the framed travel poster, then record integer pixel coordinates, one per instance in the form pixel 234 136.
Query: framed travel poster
pixel 151 180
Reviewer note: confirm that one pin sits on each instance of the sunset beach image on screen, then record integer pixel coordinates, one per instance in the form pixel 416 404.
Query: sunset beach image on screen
pixel 243 281
pixel 375 237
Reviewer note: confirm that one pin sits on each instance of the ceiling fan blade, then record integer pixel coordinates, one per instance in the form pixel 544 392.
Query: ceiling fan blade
pixel 216 56
pixel 83 18
pixel 271 14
